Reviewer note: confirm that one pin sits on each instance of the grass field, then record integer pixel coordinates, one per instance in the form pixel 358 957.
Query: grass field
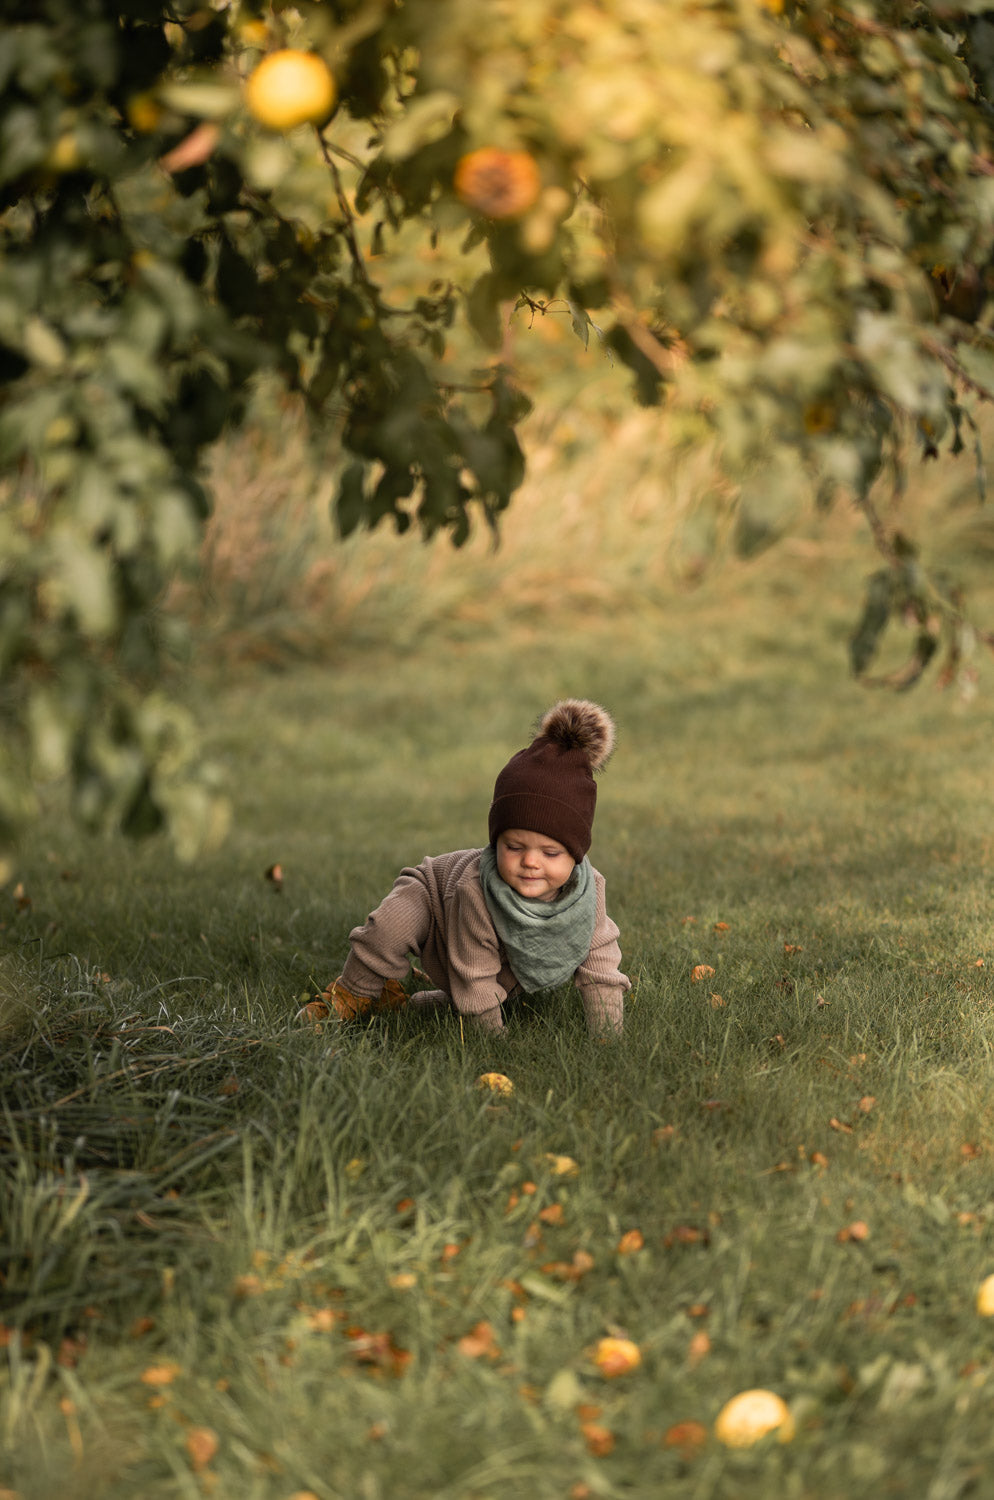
pixel 243 1260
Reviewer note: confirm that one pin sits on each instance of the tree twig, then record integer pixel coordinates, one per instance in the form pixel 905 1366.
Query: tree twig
pixel 359 265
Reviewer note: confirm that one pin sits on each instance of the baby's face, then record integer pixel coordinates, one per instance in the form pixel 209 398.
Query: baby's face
pixel 532 864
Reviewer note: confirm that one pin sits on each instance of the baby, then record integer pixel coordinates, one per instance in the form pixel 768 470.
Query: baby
pixel 523 914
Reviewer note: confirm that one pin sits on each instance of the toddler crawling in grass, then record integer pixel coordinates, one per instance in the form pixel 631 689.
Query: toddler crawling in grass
pixel 522 915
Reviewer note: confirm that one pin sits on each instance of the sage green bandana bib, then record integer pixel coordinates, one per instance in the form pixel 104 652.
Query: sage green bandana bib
pixel 545 941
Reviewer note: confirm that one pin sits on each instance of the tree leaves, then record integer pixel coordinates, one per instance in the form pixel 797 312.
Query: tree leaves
pixel 784 216
pixel 903 592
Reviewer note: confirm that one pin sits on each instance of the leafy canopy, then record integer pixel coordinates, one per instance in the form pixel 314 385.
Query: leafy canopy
pixel 777 215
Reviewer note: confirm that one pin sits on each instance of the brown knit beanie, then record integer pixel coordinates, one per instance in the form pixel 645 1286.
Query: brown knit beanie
pixel 549 787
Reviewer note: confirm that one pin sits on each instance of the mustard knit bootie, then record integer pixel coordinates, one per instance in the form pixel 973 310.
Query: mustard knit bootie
pixel 341 1003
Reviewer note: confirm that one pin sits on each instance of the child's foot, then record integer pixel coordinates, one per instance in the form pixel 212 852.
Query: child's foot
pixel 428 1000
pixel 338 1002
pixel 312 1014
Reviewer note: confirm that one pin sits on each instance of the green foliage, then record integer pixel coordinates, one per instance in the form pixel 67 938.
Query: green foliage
pixel 778 217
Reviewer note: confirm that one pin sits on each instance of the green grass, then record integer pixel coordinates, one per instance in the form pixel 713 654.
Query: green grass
pixel 301 1229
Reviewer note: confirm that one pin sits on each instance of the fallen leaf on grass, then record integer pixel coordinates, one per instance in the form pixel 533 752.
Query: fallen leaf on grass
pixel 871 1309
pixel 68 1409
pixel 163 1374
pixel 969 1151
pixel 323 1319
pixel 857 1231
pixel 791 948
pixel 561 1166
pixel 248 1284
pixel 686 1234
pixel 403 1281
pixel 688 1437
pixel 480 1342
pixel 866 1104
pixel 721 927
pixel 378 1350
pixel 570 1270
pixel 631 1241
pixel 718 1002
pixel 552 1214
pixel 599 1439
pixel 699 972
pixel 516 1289
pixel 202 1444
pixel 840 1125
pixel 699 1347
pixel 275 877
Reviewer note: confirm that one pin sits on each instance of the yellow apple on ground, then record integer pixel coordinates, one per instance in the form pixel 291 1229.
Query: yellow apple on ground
pixel 750 1415
pixel 985 1297
pixel 497 1083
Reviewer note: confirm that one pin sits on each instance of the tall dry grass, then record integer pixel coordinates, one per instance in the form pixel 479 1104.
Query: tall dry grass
pixel 612 515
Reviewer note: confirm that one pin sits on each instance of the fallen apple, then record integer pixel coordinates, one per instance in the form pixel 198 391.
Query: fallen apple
pixel 497 1083
pixel 985 1297
pixel 616 1356
pixel 750 1415
pixel 561 1166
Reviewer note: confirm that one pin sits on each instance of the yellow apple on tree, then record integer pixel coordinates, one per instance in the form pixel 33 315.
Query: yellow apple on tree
pixel 291 88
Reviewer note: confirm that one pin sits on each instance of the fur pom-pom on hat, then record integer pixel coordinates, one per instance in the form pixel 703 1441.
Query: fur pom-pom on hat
pixel 578 724
pixel 548 787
